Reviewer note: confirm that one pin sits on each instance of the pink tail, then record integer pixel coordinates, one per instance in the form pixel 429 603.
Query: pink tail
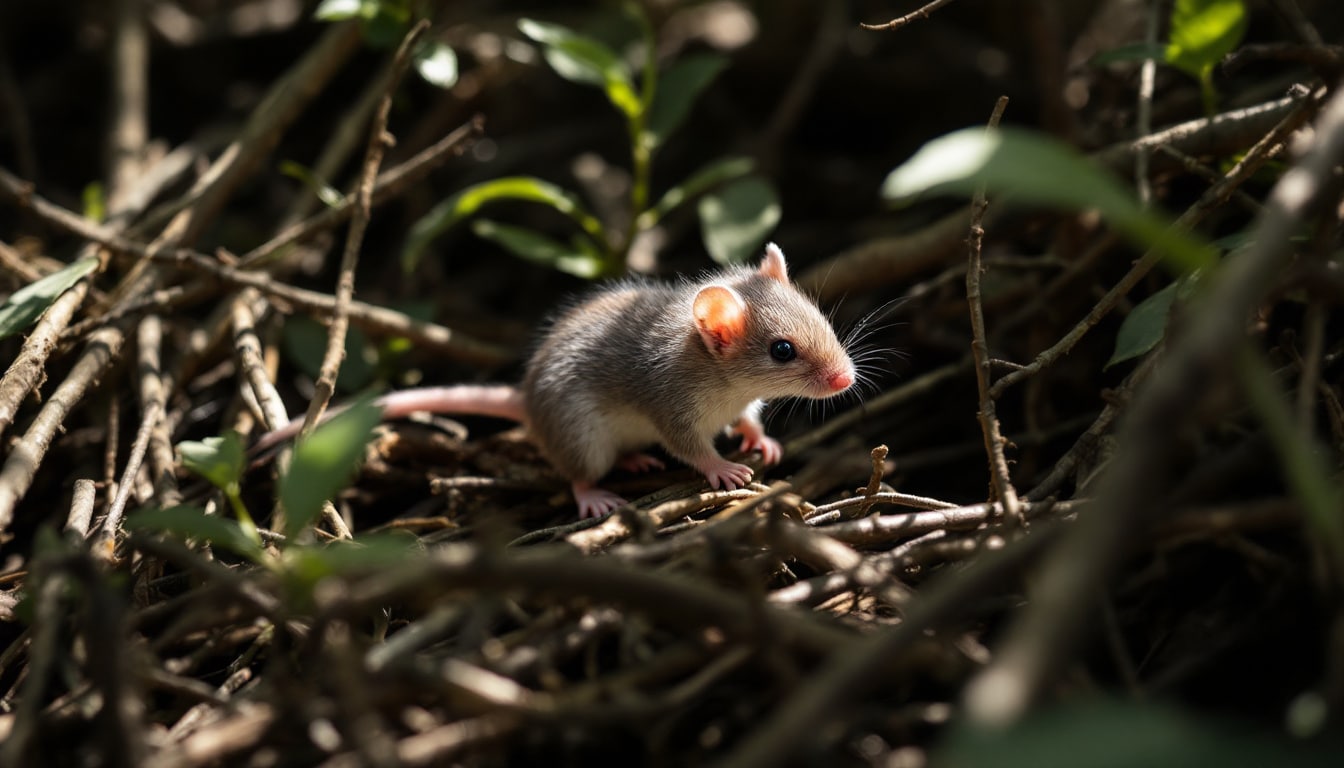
pixel 500 400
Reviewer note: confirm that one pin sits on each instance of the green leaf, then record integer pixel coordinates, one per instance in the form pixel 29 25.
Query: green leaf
pixel 466 202
pixel 193 523
pixel 583 60
pixel 737 218
pixel 1203 32
pixel 540 249
pixel 221 460
pixel 324 462
pixel 678 89
pixel 1114 734
pixel 698 183
pixel 95 201
pixel 25 305
pixel 329 195
pixel 305 342
pixel 437 65
pixel 338 10
pixel 1026 167
pixel 1144 327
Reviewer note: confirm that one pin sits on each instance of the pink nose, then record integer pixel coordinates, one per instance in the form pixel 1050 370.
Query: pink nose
pixel 839 382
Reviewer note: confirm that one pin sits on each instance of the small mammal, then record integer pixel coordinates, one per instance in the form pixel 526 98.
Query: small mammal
pixel 638 363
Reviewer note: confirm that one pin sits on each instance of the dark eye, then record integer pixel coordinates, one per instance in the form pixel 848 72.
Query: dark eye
pixel 782 350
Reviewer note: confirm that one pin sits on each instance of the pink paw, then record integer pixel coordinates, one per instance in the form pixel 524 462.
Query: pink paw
pixel 594 501
pixel 726 474
pixel 771 450
pixel 639 462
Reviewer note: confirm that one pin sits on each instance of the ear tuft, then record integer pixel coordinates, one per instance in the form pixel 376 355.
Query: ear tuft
pixel 720 317
pixel 773 265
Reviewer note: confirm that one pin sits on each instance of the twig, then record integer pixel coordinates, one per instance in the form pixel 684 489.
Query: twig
pixel 152 409
pixel 251 363
pixel 377 320
pixel 325 386
pixel 881 529
pixel 883 497
pixel 921 13
pixel 247 724
pixel 850 672
pixel 551 571
pixel 1040 639
pixel 829 554
pixel 28 369
pixel 81 507
pixel 989 421
pixel 24 458
pixel 879 457
pixel 1213 197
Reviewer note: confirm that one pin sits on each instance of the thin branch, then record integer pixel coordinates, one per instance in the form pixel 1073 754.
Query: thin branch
pixel 989 421
pixel 377 320
pixel 325 386
pixel 152 408
pixel 25 456
pixel 922 12
pixel 251 363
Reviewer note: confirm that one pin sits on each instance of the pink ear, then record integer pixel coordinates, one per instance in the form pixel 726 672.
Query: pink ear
pixel 773 264
pixel 720 317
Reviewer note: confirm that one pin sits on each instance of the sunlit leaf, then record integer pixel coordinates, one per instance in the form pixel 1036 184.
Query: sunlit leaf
pixel 582 59
pixel 1018 166
pixel 25 305
pixel 468 201
pixel 324 462
pixel 338 10
pixel 437 65
pixel 737 218
pixel 193 523
pixel 678 88
pixel 1203 32
pixel 220 460
pixel 540 249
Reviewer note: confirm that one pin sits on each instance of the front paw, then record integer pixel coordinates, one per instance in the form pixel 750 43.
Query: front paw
pixel 771 450
pixel 595 502
pixel 725 474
